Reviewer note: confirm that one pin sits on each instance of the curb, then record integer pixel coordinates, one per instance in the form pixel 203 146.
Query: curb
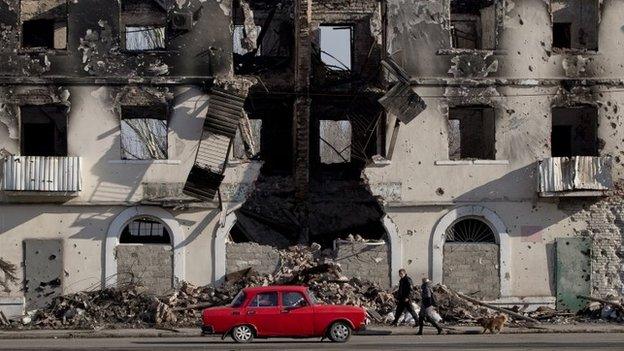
pixel 157 333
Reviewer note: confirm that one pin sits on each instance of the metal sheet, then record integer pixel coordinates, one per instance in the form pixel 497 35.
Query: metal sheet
pixel 560 174
pixel 42 173
pixel 224 113
pixel 212 152
pixel 202 184
pixel 572 272
pixel 402 102
pixel 593 173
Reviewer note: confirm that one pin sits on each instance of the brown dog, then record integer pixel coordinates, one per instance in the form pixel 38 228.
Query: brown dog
pixel 493 324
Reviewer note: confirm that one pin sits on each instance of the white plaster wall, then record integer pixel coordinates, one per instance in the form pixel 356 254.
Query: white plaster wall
pixel 83 231
pixel 532 229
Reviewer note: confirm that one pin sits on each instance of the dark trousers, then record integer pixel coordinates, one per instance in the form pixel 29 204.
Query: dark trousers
pixel 401 307
pixel 421 320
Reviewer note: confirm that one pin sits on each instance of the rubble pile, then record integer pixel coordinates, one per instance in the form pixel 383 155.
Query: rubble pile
pixel 132 307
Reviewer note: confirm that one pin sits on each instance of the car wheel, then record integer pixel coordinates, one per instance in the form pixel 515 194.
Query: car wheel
pixel 339 332
pixel 242 334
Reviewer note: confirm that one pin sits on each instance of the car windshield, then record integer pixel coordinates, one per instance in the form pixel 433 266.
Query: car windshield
pixel 312 298
pixel 238 300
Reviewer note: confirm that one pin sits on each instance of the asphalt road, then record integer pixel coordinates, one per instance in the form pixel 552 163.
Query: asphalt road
pixel 386 342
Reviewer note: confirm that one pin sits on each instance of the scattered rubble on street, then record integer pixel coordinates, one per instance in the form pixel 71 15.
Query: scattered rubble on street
pixel 131 307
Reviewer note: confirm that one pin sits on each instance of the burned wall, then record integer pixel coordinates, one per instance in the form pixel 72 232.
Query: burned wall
pixel 95 42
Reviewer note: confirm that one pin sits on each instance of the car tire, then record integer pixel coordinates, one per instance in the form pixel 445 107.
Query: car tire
pixel 242 334
pixel 339 332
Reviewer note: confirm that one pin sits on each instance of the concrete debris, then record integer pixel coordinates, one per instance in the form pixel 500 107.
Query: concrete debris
pixel 131 307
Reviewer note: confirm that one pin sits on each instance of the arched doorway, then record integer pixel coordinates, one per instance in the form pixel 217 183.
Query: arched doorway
pixel 471 257
pixel 483 238
pixel 145 256
pixel 144 238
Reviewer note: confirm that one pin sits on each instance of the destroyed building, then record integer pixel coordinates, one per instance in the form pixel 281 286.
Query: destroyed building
pixel 161 141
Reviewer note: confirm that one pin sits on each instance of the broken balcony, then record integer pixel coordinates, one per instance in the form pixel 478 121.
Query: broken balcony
pixel 36 175
pixel 576 176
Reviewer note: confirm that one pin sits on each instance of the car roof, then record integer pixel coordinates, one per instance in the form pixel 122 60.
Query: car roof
pixel 259 289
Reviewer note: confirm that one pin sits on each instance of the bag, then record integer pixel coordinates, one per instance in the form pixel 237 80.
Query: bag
pixel 433 314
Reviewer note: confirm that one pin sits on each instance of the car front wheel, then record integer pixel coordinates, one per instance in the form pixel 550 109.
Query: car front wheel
pixel 242 334
pixel 339 332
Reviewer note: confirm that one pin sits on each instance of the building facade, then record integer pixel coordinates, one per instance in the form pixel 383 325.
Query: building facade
pixel 478 140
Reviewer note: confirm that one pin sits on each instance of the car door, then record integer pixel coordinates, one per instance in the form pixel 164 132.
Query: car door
pixel 296 314
pixel 263 313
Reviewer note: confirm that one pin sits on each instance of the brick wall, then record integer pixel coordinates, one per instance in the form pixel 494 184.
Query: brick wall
pixel 472 267
pixel 605 227
pixel 364 260
pixel 263 259
pixel 149 265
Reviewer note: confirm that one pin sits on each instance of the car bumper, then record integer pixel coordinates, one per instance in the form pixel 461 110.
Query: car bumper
pixel 207 330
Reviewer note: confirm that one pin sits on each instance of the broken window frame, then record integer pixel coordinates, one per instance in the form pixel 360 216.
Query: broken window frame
pixel 497 23
pixel 336 154
pixel 595 149
pixel 338 26
pixel 127 21
pixel 153 152
pixel 449 118
pixel 146 28
pixel 64 20
pixel 572 50
pixel 64 146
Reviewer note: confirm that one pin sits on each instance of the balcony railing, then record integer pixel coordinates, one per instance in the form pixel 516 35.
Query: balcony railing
pixel 575 176
pixel 41 174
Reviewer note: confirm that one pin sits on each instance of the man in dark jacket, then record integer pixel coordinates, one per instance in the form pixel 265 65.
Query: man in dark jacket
pixel 427 300
pixel 404 300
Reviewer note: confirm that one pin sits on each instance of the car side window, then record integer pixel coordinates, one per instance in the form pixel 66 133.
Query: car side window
pixel 264 300
pixel 293 299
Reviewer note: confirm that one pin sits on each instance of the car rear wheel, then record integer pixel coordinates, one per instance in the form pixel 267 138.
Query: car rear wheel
pixel 339 332
pixel 242 334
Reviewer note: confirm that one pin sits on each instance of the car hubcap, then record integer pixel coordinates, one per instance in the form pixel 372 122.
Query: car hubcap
pixel 243 333
pixel 340 331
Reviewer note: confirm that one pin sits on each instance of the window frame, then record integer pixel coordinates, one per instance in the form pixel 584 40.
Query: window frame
pixel 497 25
pixel 351 27
pixel 164 118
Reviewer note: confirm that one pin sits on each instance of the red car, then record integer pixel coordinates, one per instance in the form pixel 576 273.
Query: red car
pixel 281 311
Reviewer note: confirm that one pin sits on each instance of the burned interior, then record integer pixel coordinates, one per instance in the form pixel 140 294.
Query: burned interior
pixel 338 132
pixel 575 24
pixel 263 35
pixel 44 24
pixel 472 133
pixel 474 24
pixel 43 130
pixel 574 131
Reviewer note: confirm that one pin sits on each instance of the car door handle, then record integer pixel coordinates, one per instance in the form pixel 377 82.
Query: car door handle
pixel 285 311
pixel 251 312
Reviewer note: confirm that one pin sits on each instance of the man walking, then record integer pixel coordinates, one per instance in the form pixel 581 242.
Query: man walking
pixel 404 297
pixel 427 301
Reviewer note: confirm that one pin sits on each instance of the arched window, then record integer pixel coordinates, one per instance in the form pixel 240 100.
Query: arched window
pixel 145 230
pixel 470 230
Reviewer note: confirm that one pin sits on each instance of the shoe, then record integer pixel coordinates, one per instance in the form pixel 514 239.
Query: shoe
pixel 419 332
pixel 439 331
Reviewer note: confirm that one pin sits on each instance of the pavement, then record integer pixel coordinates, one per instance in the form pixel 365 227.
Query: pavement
pixel 587 328
pixel 579 341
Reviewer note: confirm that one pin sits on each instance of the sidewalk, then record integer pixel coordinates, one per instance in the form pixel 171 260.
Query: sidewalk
pixel 372 330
